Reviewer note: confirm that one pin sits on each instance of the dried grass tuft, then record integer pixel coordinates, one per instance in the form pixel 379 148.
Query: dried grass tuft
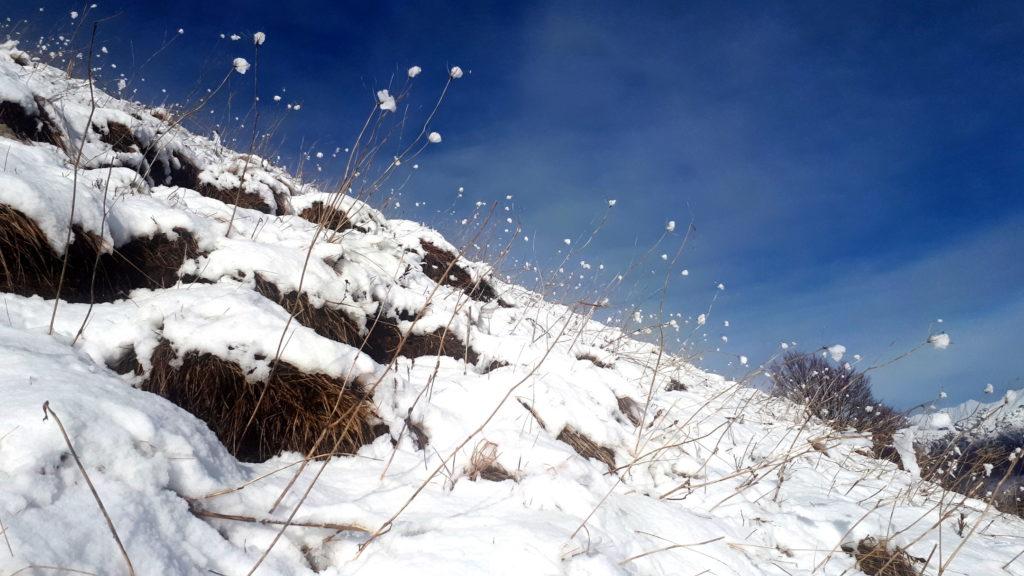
pixel 593 359
pixel 483 464
pixel 676 386
pixel 385 337
pixel 418 435
pixel 235 196
pixel 586 447
pixel 876 558
pixel 327 321
pixel 119 137
pixel 329 216
pixel 28 266
pixel 631 409
pixel 437 260
pixel 296 407
pixel 23 125
pixel 126 363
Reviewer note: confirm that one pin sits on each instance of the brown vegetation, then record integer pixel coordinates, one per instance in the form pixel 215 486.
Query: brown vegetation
pixel 330 217
pixel 876 558
pixel 38 127
pixel 29 266
pixel 586 447
pixel 437 261
pixel 296 407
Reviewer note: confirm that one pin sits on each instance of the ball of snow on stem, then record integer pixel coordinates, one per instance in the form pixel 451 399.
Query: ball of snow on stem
pixel 259 38
pixel 434 138
pixel 836 351
pixel 612 203
pixel 939 341
pixel 455 72
pixel 671 226
pixel 415 71
pixel 241 65
pixel 387 101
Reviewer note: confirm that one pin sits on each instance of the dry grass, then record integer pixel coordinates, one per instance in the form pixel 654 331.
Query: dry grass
pixel 436 261
pixel 126 363
pixel 383 338
pixel 235 196
pixel 28 266
pixel 330 217
pixel 120 137
pixel 326 321
pixel 25 126
pixel 418 435
pixel 586 447
pixel 593 359
pixel 675 386
pixel 295 409
pixel 483 464
pixel 631 409
pixel 384 343
pixel 877 558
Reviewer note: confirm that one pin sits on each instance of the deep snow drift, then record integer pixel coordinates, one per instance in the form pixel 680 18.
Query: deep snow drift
pixel 544 442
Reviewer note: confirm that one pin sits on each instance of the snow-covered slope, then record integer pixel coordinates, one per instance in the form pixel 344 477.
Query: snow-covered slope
pixel 973 419
pixel 537 442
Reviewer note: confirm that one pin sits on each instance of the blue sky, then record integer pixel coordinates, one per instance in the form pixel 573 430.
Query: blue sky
pixel 853 170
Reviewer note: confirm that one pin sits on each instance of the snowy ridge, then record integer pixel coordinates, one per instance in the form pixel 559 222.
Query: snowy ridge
pixel 600 455
pixel 977 419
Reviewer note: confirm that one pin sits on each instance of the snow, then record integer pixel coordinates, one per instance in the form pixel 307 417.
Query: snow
pixel 241 65
pixel 414 71
pixel 455 72
pixel 939 341
pixel 836 352
pixel 718 478
pixel 259 38
pixel 386 100
pixel 903 441
pixel 434 138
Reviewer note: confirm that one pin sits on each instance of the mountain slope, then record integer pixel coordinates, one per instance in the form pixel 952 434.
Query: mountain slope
pixel 481 428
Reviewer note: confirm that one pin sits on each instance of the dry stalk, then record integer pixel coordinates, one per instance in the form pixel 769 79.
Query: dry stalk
pixel 47 412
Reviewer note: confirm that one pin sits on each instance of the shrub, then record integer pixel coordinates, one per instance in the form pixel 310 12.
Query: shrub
pixel 839 395
pixel 977 466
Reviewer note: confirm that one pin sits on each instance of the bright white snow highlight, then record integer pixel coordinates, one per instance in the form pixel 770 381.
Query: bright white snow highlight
pixel 386 100
pixel 836 351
